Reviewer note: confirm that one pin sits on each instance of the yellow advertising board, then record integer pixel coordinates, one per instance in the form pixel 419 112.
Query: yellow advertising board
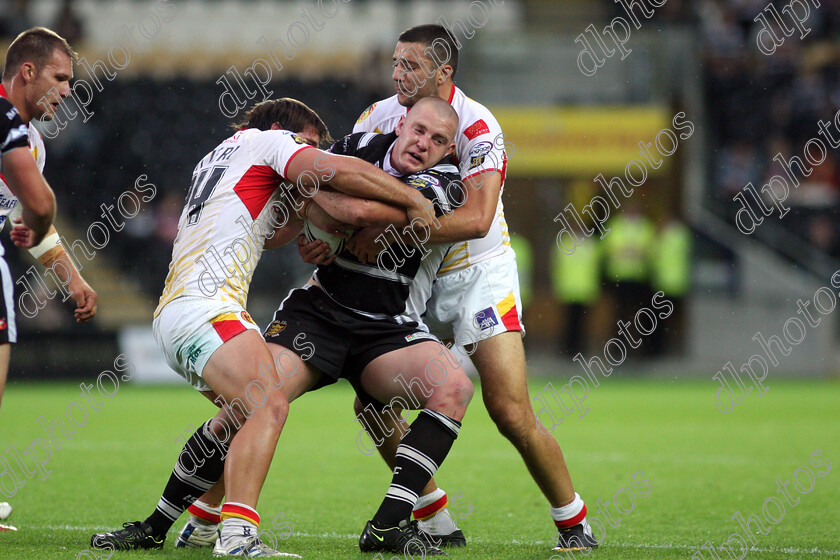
pixel 579 141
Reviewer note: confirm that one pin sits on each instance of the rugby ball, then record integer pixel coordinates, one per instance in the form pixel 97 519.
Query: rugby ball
pixel 313 233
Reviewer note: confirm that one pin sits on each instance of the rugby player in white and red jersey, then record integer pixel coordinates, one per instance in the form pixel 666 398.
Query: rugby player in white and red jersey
pixel 475 298
pixel 36 80
pixel 236 206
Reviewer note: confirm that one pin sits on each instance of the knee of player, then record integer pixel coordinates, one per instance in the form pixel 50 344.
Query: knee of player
pixel 277 407
pixel 512 419
pixel 462 390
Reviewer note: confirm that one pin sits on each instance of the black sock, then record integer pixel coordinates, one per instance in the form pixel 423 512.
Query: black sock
pixel 200 465
pixel 419 455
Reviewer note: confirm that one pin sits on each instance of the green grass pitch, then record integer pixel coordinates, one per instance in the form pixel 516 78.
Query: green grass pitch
pixel 695 468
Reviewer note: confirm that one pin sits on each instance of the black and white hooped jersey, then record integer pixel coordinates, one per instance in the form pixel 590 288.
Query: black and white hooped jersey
pixel 381 290
pixel 13 134
pixel 31 138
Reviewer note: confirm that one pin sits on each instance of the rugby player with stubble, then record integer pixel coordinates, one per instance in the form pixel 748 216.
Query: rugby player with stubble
pixel 36 80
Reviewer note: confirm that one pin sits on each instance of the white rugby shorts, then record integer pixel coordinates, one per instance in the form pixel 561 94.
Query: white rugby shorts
pixel 477 302
pixel 189 329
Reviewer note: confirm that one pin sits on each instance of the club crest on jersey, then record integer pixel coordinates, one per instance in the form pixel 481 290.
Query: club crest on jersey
pixel 477 128
pixel 485 319
pixel 365 114
pixel 246 317
pixel 275 327
pixel 422 180
pixel 478 153
pixel 298 139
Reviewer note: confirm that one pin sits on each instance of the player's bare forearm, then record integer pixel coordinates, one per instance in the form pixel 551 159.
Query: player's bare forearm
pixel 474 218
pixel 361 179
pixel 57 260
pixel 352 176
pixel 359 212
pixel 285 233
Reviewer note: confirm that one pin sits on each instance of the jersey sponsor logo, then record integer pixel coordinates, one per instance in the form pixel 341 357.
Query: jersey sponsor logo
pixel 275 328
pixel 419 336
pixel 477 128
pixel 485 319
pixel 478 153
pixel 422 180
pixel 365 114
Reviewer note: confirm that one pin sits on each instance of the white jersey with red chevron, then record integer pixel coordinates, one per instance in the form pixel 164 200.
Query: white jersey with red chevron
pixel 233 204
pixel 479 147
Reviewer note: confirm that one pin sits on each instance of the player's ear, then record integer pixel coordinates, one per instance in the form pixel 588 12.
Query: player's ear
pixel 444 72
pixel 276 126
pixel 451 149
pixel 28 72
pixel 398 129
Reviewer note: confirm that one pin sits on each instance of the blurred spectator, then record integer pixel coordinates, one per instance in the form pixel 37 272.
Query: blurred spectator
pixel 671 274
pixel 68 24
pixel 822 233
pixel 525 265
pixel 576 280
pixel 14 18
pixel 737 165
pixel 627 257
pixel 760 105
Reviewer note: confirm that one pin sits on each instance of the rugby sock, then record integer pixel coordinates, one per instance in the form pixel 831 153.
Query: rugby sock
pixel 419 454
pixel 205 514
pixel 427 506
pixel 569 515
pixel 239 521
pixel 199 466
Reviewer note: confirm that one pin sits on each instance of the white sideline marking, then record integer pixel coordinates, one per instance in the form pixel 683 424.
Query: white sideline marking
pixel 478 540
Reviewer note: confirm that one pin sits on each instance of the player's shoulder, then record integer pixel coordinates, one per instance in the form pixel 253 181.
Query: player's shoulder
pixel 7 107
pixel 377 113
pixel 9 116
pixel 283 136
pixel 440 175
pixel 364 145
pixel 475 118
pixel 13 133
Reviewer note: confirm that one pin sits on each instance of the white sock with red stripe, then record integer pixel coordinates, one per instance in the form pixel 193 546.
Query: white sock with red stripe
pixel 569 515
pixel 205 514
pixel 240 521
pixel 428 505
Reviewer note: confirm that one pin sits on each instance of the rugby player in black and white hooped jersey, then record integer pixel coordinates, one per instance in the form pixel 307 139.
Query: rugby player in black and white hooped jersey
pixel 354 319
pixel 201 324
pixel 23 181
pixel 475 299
pixel 36 80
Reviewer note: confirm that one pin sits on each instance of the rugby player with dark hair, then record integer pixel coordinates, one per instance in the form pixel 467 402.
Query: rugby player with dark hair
pixel 201 324
pixel 476 293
